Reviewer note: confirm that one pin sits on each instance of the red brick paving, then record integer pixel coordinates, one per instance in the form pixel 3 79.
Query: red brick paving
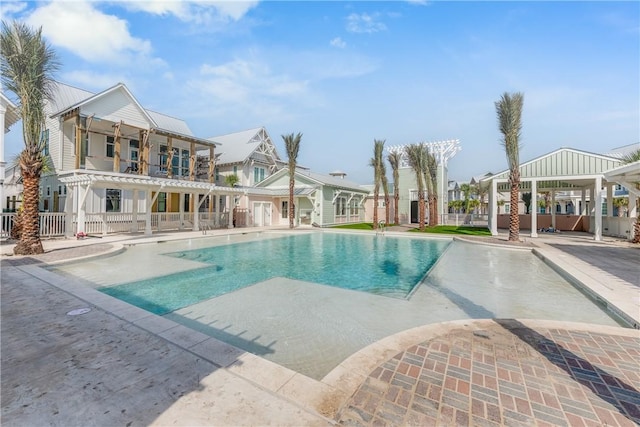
pixel 506 375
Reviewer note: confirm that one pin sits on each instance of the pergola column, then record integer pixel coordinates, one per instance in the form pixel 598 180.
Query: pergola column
pixel 181 210
pixel 597 232
pixel 553 209
pixel 134 212
pixel 534 211
pixel 68 210
pixel 583 202
pixel 147 212
pixel 493 213
pixel 609 199
pixel 230 206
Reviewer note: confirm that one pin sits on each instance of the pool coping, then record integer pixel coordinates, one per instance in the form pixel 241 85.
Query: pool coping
pixel 324 397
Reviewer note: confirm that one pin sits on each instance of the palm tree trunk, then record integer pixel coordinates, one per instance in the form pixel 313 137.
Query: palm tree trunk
pixel 291 207
pixel 29 243
pixel 514 217
pixel 386 209
pixel 396 200
pixel 421 210
pixel 375 208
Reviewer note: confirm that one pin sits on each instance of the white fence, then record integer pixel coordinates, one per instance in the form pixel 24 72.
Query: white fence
pixel 55 224
pixel 471 220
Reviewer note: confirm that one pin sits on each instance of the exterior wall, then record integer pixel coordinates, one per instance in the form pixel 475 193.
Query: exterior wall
pixel 407 183
pixel 563 222
pixel 368 209
pixel 117 106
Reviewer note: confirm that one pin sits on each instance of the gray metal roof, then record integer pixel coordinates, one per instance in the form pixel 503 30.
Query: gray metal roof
pixel 238 147
pixel 67 97
pixel 12 115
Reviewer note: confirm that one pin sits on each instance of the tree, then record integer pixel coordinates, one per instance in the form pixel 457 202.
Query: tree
pixel 509 112
pixel 416 156
pixel 466 191
pixel 231 180
pixel 28 64
pixel 526 198
pixel 292 145
pixel 395 159
pixel 500 203
pixel 432 187
pixel 379 178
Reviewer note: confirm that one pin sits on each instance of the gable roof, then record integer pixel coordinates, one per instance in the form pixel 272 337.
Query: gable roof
pixel 315 178
pixel 67 98
pixel 237 147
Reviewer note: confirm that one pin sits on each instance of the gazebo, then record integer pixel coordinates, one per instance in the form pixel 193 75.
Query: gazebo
pixel 568 169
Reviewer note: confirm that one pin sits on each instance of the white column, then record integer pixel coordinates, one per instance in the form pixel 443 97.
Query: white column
pixel 82 196
pixel 181 210
pixel 534 211
pixel 147 213
pixel 3 110
pixel 134 212
pixel 217 198
pixel 68 210
pixel 493 215
pixel 583 202
pixel 196 210
pixel 597 232
pixel 609 199
pixel 230 206
pixel 553 209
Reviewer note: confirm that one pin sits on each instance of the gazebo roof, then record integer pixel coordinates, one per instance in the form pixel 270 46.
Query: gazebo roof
pixel 563 169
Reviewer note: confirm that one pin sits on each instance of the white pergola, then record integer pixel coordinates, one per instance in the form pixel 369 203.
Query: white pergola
pixel 565 169
pixel 82 182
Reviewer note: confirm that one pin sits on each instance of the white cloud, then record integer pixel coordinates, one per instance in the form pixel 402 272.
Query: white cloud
pixel 338 42
pixel 88 32
pixel 202 11
pixel 10 8
pixel 91 80
pixel 365 23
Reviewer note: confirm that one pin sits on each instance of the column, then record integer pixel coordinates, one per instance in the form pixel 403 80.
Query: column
pixel 230 206
pixel 81 208
pixel 534 210
pixel 147 212
pixel 597 232
pixel 609 199
pixel 196 211
pixel 68 210
pixel 134 212
pixel 181 210
pixel 583 203
pixel 3 110
pixel 493 216
pixel 553 209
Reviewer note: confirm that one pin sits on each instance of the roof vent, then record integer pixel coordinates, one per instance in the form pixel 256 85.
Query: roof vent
pixel 338 174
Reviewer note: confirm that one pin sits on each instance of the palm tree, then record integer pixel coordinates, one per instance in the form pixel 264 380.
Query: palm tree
pixel 509 111
pixel 385 185
pixel 292 145
pixel 27 64
pixel 395 159
pixel 379 171
pixel 231 180
pixel 416 156
pixel 432 180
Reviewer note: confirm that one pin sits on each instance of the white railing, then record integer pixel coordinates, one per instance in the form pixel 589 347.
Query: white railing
pixel 55 224
pixel 471 220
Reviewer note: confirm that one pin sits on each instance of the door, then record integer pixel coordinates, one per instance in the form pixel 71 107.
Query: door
pixel 266 214
pixel 414 212
pixel 261 214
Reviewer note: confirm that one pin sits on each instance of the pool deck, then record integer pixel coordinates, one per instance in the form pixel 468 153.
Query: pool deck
pixel 120 365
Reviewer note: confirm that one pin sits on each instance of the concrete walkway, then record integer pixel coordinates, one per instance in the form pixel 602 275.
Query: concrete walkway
pixel 119 365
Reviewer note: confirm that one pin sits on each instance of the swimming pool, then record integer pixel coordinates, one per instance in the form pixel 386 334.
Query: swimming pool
pixel 311 328
pixel 389 266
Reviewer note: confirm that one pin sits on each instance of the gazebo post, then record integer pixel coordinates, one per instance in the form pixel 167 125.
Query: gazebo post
pixel 597 232
pixel 534 211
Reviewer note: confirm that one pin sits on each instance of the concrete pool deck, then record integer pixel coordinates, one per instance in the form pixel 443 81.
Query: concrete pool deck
pixel 119 365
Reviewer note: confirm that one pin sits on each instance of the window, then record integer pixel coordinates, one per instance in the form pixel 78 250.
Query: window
pixel 507 207
pixel 217 174
pixel 44 140
pixel 341 206
pixel 258 175
pixel 381 203
pixel 162 202
pixel 48 191
pixel 113 200
pixel 185 163
pixel 134 145
pixel 175 162
pixel 110 146
pixel 186 202
pixel 354 208
pixel 163 156
pixel 285 209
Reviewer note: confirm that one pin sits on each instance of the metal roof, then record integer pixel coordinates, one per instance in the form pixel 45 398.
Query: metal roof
pixel 562 169
pixel 317 178
pixel 238 147
pixel 627 175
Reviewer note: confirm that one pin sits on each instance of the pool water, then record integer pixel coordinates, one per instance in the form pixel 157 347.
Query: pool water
pixel 388 266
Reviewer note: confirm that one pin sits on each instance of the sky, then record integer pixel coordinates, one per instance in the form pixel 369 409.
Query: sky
pixel 344 73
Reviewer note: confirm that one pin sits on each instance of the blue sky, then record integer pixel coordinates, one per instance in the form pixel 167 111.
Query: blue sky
pixel 346 73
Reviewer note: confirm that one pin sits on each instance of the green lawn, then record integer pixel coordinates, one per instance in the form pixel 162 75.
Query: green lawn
pixel 440 229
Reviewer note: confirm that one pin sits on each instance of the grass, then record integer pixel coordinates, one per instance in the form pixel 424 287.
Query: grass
pixel 439 229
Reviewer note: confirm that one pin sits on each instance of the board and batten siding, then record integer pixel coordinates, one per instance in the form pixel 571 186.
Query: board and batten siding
pixel 567 163
pixel 117 106
pixel 328 208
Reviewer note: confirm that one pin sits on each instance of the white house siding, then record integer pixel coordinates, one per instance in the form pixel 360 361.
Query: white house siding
pixel 114 107
pixel 328 208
